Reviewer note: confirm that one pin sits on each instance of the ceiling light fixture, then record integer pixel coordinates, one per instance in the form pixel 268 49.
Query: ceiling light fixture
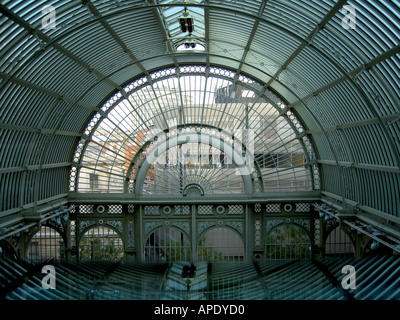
pixel 186 22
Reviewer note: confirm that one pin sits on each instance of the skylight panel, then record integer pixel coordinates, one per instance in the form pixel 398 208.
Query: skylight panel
pixel 185 24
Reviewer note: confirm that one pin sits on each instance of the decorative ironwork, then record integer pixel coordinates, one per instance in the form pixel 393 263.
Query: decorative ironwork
pixel 86 209
pixel 235 209
pixel 166 210
pixel 220 209
pixel 84 224
pixel 131 233
pixel 182 210
pixel 184 225
pixel 305 223
pixel 205 210
pixel 303 207
pixel 237 225
pixel 273 208
pixel 271 223
pixel 114 209
pixel 203 225
pixel 149 226
pixel 117 224
pixel 151 210
pixel 257 233
pixel 131 208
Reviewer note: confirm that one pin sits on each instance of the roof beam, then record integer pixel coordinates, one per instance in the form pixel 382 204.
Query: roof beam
pixel 39 130
pixel 35 167
pixel 114 198
pixel 387 119
pixel 252 34
pixel 366 166
pixel 330 198
pixel 164 31
pixel 207 30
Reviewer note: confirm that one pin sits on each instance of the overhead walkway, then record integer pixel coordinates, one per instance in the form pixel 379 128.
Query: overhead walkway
pixel 377 278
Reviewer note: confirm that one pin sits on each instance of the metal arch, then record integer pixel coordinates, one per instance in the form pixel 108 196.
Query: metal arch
pixel 265 86
pixel 192 137
pixel 343 78
pixel 326 19
pixel 343 227
pixel 96 224
pixel 261 93
pixel 142 149
pixel 229 227
pixel 291 224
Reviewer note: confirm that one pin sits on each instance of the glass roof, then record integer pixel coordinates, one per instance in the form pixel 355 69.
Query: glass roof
pixel 171 16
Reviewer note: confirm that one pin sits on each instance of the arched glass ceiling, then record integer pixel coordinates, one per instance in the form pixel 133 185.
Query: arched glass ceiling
pixel 186 124
pixel 343 84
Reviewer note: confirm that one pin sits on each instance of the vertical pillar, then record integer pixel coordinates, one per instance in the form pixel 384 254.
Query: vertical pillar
pixel 139 241
pixel 248 234
pixel 193 235
pixel 68 240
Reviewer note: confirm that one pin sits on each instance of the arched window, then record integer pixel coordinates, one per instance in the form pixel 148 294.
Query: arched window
pixel 101 244
pixel 167 245
pixel 287 242
pixel 160 125
pixel 220 245
pixel 46 243
pixel 338 244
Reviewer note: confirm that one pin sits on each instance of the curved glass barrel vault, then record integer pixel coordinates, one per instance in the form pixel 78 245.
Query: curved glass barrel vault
pixel 273 124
